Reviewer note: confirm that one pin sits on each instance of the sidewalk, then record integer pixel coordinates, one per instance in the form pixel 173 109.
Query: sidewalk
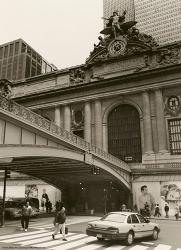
pixel 164 218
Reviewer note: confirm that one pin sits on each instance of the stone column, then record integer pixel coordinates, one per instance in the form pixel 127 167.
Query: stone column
pixel 160 119
pixel 58 119
pixel 98 123
pixel 147 128
pixel 87 122
pixel 67 118
pixel 105 137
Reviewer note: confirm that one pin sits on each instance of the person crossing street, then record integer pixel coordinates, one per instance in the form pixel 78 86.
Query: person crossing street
pixel 59 222
pixel 25 216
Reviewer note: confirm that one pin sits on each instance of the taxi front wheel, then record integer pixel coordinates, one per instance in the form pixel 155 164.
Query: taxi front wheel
pixel 130 238
pixel 155 234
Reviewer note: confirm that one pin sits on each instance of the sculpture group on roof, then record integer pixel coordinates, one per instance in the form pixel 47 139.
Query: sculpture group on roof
pixel 118 29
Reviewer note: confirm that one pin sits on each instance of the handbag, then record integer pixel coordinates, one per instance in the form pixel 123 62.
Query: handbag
pixel 66 230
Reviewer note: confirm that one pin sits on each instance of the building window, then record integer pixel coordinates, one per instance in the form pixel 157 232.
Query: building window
pixel 16 48
pixel 6 51
pixel 174 127
pixel 124 136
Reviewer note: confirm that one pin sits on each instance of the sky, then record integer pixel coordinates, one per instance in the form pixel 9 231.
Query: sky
pixel 61 31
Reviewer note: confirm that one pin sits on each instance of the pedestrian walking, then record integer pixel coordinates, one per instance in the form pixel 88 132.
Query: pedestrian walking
pixel 59 222
pixel 166 208
pixel 157 211
pixel 147 210
pixel 25 216
pixel 176 212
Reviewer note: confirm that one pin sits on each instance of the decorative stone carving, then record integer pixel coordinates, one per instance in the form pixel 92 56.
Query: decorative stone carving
pixel 120 39
pixel 173 105
pixel 77 118
pixel 5 88
pixel 77 75
pixel 168 56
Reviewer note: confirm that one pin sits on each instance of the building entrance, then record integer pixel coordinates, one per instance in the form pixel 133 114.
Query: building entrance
pixel 124 137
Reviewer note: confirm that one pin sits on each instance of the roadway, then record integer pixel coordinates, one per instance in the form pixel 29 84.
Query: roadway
pixel 40 230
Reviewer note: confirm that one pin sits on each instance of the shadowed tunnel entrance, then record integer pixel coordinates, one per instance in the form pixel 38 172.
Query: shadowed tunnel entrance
pixel 84 187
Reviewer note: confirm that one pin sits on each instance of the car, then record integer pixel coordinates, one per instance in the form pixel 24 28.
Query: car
pixel 13 207
pixel 125 226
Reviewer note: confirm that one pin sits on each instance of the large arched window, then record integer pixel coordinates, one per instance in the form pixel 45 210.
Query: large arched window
pixel 124 138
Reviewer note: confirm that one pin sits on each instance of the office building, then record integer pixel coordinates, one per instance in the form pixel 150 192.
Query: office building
pixel 19 61
pixel 119 5
pixel 161 19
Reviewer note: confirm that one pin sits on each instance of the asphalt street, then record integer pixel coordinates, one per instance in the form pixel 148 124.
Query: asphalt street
pixel 40 230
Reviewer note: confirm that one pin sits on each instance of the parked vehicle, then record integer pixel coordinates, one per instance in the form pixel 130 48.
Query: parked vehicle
pixel 13 207
pixel 125 226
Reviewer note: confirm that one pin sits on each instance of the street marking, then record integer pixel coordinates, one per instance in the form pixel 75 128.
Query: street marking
pixel 55 242
pixel 138 247
pixel 116 247
pixel 147 243
pixel 27 237
pixel 10 236
pixel 43 239
pixel 77 243
pixel 162 247
pixel 90 246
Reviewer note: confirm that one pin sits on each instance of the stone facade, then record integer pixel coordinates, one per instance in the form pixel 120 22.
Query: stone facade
pixel 147 80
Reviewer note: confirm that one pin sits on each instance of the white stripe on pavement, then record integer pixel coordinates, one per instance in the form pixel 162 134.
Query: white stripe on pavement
pixel 27 237
pixel 10 236
pixel 43 239
pixel 55 242
pixel 138 247
pixel 91 246
pixel 162 247
pixel 76 243
pixel 147 243
pixel 116 247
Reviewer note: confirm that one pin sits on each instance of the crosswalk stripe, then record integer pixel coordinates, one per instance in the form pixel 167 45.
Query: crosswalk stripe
pixel 10 236
pixel 138 247
pixel 91 247
pixel 76 243
pixel 162 247
pixel 55 242
pixel 147 243
pixel 115 247
pixel 43 239
pixel 27 237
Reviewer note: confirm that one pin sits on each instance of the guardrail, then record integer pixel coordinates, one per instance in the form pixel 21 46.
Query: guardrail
pixel 43 123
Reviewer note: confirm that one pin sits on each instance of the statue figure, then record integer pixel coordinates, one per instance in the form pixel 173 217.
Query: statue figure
pixel 5 88
pixel 101 44
pixel 115 22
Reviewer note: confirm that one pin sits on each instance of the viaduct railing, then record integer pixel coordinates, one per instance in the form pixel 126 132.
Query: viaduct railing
pixel 34 119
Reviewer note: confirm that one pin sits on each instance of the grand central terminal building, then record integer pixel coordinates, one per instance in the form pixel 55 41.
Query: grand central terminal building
pixel 126 100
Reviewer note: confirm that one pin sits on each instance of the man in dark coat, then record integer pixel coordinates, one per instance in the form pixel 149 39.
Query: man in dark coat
pixel 59 222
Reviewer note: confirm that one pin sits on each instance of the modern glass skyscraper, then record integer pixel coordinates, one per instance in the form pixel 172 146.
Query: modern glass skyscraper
pixel 119 5
pixel 159 18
